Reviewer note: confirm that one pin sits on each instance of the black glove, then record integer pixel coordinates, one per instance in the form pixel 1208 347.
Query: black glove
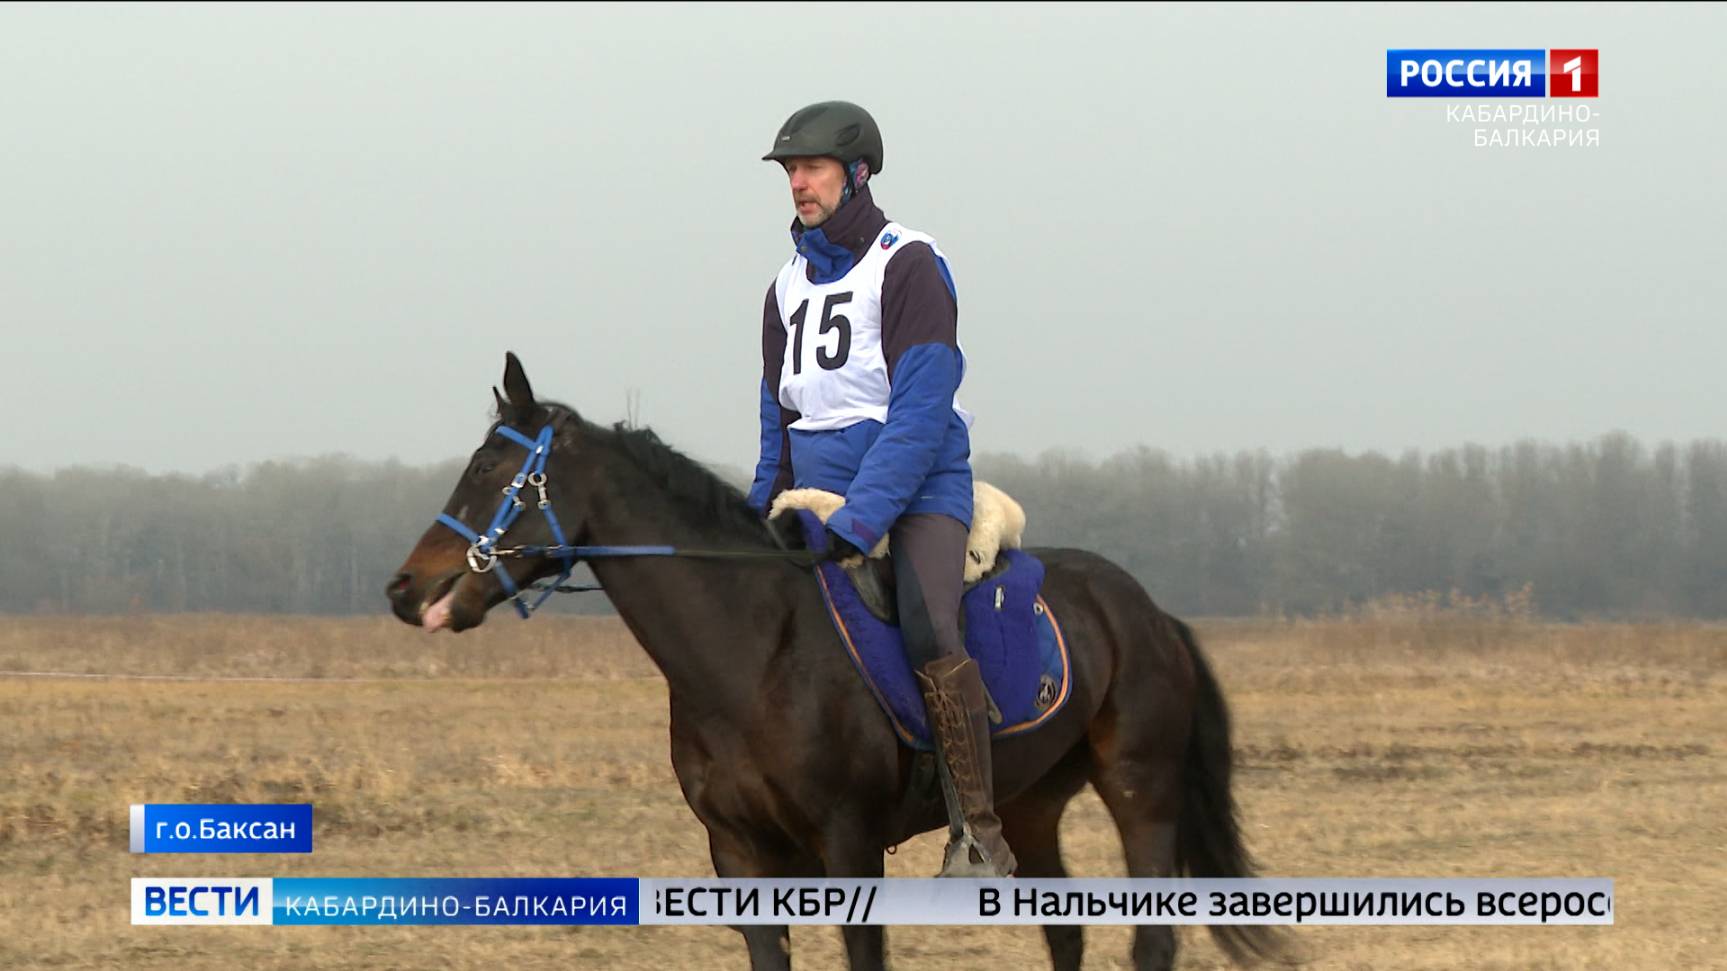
pixel 839 548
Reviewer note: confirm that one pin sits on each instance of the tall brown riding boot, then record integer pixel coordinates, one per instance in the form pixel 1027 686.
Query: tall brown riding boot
pixel 953 691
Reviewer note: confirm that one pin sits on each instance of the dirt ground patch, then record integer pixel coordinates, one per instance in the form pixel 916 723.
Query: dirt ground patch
pixel 1367 748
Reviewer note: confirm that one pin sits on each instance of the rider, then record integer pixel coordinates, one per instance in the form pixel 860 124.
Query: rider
pixel 861 367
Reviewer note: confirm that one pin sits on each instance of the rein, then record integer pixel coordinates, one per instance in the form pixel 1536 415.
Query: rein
pixel 484 553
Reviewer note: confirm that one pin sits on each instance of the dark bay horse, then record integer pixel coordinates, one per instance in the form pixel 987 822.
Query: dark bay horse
pixel 780 748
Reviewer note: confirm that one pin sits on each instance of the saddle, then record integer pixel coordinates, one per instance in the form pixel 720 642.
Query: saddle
pixel 997 523
pixel 1007 627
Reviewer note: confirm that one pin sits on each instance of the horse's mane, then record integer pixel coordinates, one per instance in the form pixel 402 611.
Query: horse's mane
pixel 689 483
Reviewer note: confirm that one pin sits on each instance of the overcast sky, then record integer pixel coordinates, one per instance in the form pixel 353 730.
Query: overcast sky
pixel 236 233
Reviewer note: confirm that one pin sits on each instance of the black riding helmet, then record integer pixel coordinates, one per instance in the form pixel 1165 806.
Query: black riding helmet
pixel 838 129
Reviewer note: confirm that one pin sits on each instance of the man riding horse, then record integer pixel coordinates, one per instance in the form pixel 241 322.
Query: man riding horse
pixel 861 367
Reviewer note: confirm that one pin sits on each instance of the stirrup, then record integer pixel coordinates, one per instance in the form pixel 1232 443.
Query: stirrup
pixel 957 861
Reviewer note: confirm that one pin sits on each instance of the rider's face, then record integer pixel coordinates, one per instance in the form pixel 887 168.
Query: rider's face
pixel 817 183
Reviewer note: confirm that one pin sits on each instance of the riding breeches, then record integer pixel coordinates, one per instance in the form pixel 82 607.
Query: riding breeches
pixel 928 551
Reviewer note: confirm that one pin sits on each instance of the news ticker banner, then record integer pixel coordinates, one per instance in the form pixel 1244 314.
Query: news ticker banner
pixel 365 901
pixel 221 828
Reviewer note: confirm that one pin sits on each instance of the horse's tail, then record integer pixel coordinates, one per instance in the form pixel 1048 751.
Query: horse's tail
pixel 1208 833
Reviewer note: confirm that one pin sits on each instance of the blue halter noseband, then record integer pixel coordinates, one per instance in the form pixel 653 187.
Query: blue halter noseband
pixel 483 553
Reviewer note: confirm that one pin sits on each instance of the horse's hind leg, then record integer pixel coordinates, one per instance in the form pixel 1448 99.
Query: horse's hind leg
pixel 1137 758
pixel 1031 824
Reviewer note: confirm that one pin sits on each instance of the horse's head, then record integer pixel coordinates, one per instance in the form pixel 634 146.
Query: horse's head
pixel 507 497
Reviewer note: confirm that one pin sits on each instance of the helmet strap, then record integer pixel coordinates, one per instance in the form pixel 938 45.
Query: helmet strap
pixel 857 173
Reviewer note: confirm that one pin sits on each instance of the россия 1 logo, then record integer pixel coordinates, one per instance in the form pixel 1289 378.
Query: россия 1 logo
pixel 1573 73
pixel 1507 73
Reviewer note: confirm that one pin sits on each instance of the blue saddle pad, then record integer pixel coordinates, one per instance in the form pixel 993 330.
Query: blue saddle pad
pixel 1009 630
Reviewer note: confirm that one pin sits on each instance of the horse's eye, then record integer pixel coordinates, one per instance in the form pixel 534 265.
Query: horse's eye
pixel 485 466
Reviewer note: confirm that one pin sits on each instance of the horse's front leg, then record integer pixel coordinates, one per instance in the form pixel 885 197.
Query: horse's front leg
pixel 853 849
pixel 744 855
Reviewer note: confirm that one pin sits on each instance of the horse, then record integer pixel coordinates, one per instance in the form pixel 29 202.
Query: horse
pixel 780 749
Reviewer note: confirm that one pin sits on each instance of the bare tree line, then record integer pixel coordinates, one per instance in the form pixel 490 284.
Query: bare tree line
pixel 1608 528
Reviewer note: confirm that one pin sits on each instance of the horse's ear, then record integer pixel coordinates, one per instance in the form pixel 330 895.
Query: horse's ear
pixel 516 382
pixel 499 398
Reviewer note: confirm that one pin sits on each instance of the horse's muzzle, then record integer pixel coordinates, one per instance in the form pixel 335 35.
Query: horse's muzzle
pixel 403 603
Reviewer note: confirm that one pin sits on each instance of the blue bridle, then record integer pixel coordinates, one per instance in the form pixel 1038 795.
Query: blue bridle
pixel 484 552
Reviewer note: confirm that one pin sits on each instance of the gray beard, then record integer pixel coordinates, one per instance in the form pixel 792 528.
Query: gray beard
pixel 821 216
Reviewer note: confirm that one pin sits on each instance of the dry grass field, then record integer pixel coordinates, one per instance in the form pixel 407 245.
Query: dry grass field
pixel 1408 744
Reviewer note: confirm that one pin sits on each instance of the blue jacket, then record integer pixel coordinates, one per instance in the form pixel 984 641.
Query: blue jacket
pixel 919 460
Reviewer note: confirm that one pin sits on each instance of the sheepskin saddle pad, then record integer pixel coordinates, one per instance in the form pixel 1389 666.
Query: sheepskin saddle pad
pixel 997 523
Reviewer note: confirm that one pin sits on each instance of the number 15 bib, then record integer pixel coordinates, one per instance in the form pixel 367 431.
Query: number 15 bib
pixel 834 373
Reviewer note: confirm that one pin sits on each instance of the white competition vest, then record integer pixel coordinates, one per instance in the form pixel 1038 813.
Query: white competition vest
pixel 834 373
